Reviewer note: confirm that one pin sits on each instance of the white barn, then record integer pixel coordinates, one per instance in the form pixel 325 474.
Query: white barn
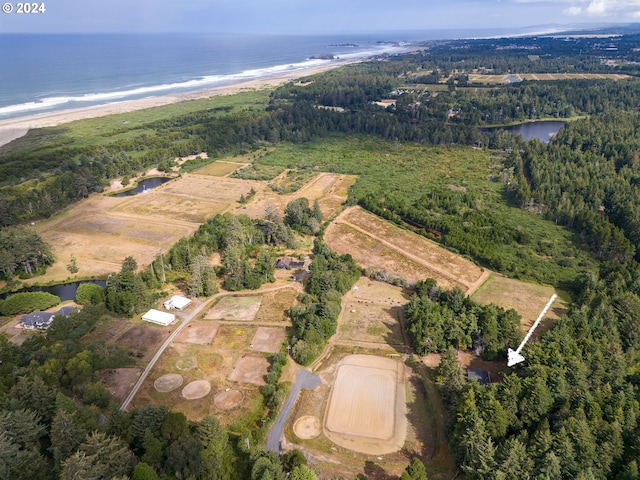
pixel 161 318
pixel 177 301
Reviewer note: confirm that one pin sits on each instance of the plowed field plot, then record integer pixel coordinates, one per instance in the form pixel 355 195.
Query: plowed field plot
pixel 330 189
pixel 366 410
pixel 236 308
pixel 375 242
pixel 373 313
pixel 143 340
pixel 268 340
pixel 198 332
pixel 528 299
pixel 250 370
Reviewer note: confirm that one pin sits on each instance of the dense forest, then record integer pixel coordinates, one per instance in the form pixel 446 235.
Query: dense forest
pixel 571 411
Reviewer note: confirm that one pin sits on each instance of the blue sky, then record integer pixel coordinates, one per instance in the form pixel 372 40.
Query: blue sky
pixel 310 16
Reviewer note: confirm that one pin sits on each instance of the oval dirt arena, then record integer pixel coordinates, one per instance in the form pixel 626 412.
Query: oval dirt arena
pixel 366 410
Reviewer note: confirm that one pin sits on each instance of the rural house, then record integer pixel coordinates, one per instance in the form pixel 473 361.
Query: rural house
pixel 289 263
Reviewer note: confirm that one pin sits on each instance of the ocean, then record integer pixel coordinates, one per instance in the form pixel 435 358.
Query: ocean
pixel 44 73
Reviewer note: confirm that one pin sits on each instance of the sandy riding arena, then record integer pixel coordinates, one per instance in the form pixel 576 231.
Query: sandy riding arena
pixel 366 411
pixel 168 382
pixel 228 399
pixel 307 427
pixel 196 389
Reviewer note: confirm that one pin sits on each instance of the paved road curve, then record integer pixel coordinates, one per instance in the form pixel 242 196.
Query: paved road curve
pixel 187 319
pixel 304 379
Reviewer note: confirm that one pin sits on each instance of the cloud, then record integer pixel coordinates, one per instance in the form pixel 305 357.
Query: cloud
pixel 607 8
pixel 573 11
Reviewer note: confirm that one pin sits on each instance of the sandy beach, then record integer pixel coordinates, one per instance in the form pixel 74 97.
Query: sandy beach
pixel 17 127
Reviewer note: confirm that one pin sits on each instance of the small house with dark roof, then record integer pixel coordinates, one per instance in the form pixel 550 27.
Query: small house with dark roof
pixel 289 263
pixel 482 376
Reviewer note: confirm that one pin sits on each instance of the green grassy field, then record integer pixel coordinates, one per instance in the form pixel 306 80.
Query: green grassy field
pixel 550 254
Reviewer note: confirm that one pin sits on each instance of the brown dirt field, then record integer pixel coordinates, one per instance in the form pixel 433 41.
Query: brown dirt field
pixel 196 389
pixel 120 381
pixel 168 383
pixel 102 230
pixel 330 189
pixel 275 305
pixel 220 168
pixel 307 427
pixel 430 253
pixel 528 299
pixel 366 411
pixel 368 252
pixel 236 308
pixel 143 340
pixel 198 332
pixel 228 398
pixel 373 314
pixel 100 238
pixel 250 370
pixel 375 242
pixel 268 340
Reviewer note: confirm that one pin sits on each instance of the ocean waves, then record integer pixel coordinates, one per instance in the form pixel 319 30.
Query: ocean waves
pixel 114 94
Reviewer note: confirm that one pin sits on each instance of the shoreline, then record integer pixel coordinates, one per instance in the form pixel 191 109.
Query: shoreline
pixel 14 128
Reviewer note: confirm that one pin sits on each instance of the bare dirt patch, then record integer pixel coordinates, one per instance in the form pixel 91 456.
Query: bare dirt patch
pixel 198 332
pixel 196 389
pixel 366 411
pixel 307 427
pixel 268 340
pixel 228 399
pixel 528 299
pixel 120 381
pixel 236 308
pixel 250 370
pixel 168 383
pixel 143 341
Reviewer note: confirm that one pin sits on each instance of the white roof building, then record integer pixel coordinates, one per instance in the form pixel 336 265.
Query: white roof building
pixel 161 318
pixel 177 301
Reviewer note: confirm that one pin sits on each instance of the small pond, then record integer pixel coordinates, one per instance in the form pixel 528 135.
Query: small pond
pixel 542 130
pixel 144 186
pixel 66 291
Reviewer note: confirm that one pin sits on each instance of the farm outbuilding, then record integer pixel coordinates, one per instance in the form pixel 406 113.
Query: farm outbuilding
pixel 177 301
pixel 161 318
pixel 482 376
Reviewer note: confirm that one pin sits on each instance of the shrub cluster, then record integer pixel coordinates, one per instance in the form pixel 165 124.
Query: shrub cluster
pixel 27 302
